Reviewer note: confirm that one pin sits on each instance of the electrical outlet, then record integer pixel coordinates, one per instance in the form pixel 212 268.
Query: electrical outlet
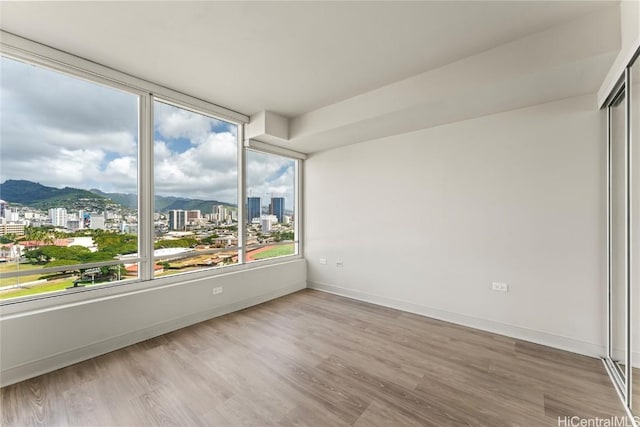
pixel 323 261
pixel 500 287
pixel 339 264
pixel 217 290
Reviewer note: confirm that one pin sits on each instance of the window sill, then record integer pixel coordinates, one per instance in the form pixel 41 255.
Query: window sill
pixel 57 300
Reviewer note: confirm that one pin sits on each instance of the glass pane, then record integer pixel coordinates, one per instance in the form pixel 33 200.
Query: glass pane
pixel 270 206
pixel 635 238
pixel 196 191
pixel 69 180
pixel 618 233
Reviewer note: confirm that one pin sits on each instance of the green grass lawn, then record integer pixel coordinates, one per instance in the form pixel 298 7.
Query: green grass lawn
pixel 276 251
pixel 37 289
pixel 10 267
pixel 59 285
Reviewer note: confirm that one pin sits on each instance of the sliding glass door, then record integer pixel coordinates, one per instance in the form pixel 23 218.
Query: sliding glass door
pixel 623 236
pixel 634 297
pixel 618 231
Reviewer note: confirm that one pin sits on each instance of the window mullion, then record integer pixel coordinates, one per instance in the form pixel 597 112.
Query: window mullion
pixel 242 196
pixel 297 210
pixel 145 188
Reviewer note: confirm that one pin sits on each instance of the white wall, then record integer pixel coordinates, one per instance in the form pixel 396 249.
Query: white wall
pixel 38 341
pixel 629 24
pixel 426 222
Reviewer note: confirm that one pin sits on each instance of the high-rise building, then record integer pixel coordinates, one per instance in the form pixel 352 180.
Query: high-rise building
pixel 221 213
pixel 277 208
pixel 193 215
pixel 265 225
pixel 177 219
pixel 73 224
pixel 58 217
pixel 12 215
pixel 253 208
pixel 86 219
pixel 97 221
pixel 3 207
pixel 81 220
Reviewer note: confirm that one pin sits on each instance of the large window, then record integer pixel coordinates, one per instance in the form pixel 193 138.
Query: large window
pixel 104 182
pixel 196 191
pixel 68 182
pixel 270 207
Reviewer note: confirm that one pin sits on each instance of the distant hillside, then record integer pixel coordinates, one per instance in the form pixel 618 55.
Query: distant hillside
pixel 165 204
pixel 125 199
pixel 39 196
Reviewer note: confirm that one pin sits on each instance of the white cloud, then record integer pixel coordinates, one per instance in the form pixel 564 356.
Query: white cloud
pixel 270 176
pixel 172 122
pixel 115 142
pixel 205 171
pixel 160 150
pixel 62 131
pixel 75 168
pixel 123 172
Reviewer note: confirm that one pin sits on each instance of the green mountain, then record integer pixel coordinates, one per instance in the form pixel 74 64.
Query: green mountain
pixel 39 196
pixel 165 204
pixel 128 200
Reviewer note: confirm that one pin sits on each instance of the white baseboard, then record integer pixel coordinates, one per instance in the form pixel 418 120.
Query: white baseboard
pixel 57 361
pixel 525 334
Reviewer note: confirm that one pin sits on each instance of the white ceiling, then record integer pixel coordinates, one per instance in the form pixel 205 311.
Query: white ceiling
pixel 287 57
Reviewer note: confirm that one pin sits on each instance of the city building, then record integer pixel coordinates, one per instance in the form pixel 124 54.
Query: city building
pixel 266 221
pixel 12 215
pixel 11 228
pixel 220 212
pixel 177 220
pixel 193 216
pixel 74 224
pixel 496 141
pixel 225 241
pixel 126 228
pixel 86 219
pixel 97 222
pixel 3 207
pixel 58 217
pixel 253 208
pixel 276 207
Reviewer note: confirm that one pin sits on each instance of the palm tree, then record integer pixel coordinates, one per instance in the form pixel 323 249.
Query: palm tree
pixel 33 234
pixel 48 238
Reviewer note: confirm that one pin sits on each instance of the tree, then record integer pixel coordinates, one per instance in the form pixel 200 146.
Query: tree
pixel 186 242
pixel 63 262
pixel 114 244
pixel 36 234
pixel 46 254
pixel 8 238
pixel 209 239
pixel 48 238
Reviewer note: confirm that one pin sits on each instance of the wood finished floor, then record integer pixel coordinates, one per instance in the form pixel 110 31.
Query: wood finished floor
pixel 315 359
